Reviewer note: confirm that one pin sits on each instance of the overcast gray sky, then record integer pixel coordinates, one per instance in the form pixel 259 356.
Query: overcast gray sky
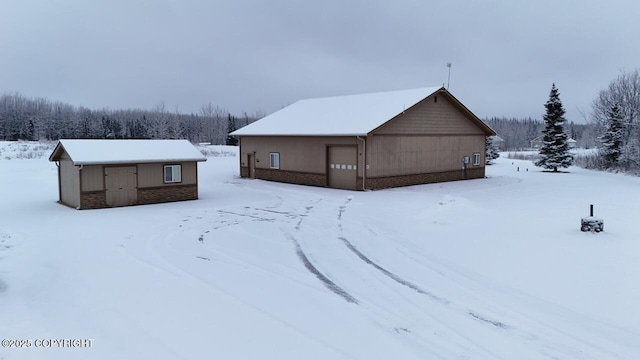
pixel 253 55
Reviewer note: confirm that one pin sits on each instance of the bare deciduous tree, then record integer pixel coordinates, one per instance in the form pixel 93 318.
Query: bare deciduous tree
pixel 624 91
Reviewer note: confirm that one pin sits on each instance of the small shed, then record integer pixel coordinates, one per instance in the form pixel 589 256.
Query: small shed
pixel 95 174
pixel 367 141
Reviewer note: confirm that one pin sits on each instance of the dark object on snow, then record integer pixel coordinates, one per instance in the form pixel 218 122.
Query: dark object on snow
pixel 591 223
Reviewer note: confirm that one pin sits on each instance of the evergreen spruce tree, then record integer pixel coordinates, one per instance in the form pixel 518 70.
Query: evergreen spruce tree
pixel 554 152
pixel 491 151
pixel 613 137
pixel 232 125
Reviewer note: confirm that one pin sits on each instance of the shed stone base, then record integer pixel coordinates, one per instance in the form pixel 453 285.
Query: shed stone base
pixel 417 179
pixel 154 195
pixel 93 200
pixel 293 177
pixel 162 194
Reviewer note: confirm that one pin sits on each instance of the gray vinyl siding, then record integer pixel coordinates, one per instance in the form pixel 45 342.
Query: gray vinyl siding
pixel 92 178
pixel 152 175
pixel 70 183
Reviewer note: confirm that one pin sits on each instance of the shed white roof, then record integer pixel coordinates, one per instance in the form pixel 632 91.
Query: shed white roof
pixel 89 152
pixel 339 115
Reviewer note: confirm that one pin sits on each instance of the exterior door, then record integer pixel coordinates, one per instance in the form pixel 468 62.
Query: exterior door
pixel 121 185
pixel 252 165
pixel 343 167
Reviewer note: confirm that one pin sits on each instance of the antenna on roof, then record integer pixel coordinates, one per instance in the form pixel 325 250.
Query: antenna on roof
pixel 449 76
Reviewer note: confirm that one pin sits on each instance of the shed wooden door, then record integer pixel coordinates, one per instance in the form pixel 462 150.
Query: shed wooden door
pixel 343 166
pixel 120 185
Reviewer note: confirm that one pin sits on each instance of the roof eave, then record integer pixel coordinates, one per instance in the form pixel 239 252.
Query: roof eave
pixel 310 135
pixel 55 154
pixel 141 161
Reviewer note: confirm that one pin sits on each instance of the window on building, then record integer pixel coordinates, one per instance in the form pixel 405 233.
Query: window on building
pixel 172 173
pixel 476 159
pixel 274 160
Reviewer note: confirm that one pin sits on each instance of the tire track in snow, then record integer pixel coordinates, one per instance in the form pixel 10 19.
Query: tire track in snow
pixel 489 321
pixel 386 272
pixel 343 208
pixel 307 263
pixel 323 278
pixel 475 315
pixel 391 275
pixel 307 210
pixel 257 218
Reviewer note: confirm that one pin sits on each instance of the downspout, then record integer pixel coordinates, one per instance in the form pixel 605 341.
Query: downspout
pixel 240 158
pixel 80 187
pixel 59 183
pixel 364 162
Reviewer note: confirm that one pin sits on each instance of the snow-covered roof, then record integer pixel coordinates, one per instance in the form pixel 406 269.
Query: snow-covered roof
pixel 91 152
pixel 339 115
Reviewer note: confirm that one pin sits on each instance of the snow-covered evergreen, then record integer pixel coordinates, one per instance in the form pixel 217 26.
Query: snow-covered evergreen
pixel 612 140
pixel 491 150
pixel 554 152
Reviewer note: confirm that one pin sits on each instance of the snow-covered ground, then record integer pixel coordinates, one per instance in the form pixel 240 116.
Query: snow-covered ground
pixel 495 268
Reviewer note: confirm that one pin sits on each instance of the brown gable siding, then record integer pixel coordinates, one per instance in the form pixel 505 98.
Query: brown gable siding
pixel 402 155
pixel 431 117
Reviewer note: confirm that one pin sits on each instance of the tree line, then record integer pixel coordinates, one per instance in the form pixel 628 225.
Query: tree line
pixel 23 118
pixel 613 124
pixel 517 133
